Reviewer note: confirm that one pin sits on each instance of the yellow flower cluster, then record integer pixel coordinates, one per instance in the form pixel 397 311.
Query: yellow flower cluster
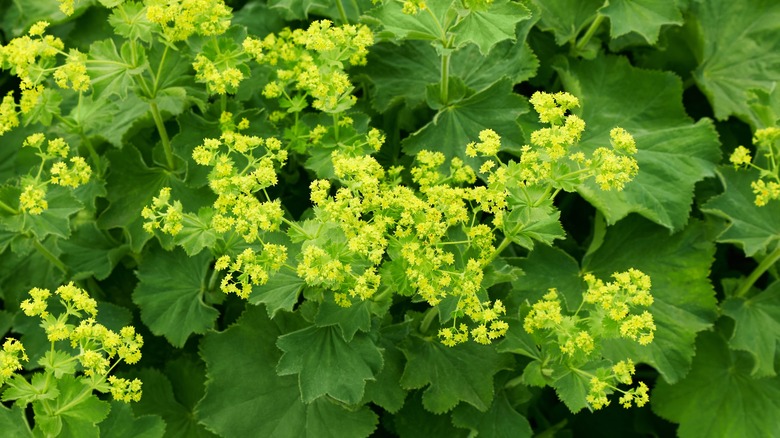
pixel 412 7
pixel 767 142
pixel 219 79
pixel 32 200
pixel 630 290
pixel 622 372
pixel 550 158
pixel 374 212
pixel 11 357
pixel 163 215
pixel 180 19
pixel 312 62
pixel 250 268
pixel 96 345
pixel 8 117
pixel 125 390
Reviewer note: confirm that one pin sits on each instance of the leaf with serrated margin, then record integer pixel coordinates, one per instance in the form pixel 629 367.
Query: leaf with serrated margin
pixel 424 25
pixel 55 220
pixel 454 126
pixel 170 294
pixel 500 421
pixel 245 397
pixel 645 17
pixel 684 300
pixel 674 153
pixel 279 293
pixel 719 398
pixel 757 327
pixel 451 374
pixel 739 51
pixel 566 18
pixel 111 70
pixel 414 421
pixel 385 390
pixel 13 422
pixel 71 414
pixel 755 229
pixel 121 423
pixel 350 320
pixel 485 28
pixel 91 252
pixel 546 267
pixel 130 21
pixel 327 364
pixel 160 399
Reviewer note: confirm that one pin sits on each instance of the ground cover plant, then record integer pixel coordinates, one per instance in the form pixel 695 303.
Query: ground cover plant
pixel 406 218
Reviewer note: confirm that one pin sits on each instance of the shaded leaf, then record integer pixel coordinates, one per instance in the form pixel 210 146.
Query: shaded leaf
pixel 245 397
pixel 719 398
pixel 489 26
pixel 757 328
pixel 645 17
pixel 170 294
pixel 326 364
pixel 122 424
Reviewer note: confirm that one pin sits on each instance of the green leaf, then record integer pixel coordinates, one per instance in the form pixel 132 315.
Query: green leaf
pixel 425 25
pixel 122 424
pixel 547 267
pixel 500 421
pixel 645 17
pixel 757 328
pixel 176 89
pixel 279 293
pixel 739 51
pixel 566 18
pixel 534 223
pixel 130 22
pixel 719 398
pixel 674 153
pixel 327 364
pixel 74 415
pixel 245 397
pixel 684 300
pixel 385 390
pixel 90 252
pixel 754 229
pixel 487 27
pixel 572 387
pixel 350 320
pixel 24 392
pixel 13 422
pixel 451 374
pixel 196 233
pixel 159 399
pixel 454 126
pixel 170 295
pixel 112 119
pixel 414 421
pixel 110 70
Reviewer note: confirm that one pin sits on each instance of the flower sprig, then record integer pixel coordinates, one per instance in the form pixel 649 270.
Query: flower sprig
pixel 767 162
pixel 609 310
pixel 95 349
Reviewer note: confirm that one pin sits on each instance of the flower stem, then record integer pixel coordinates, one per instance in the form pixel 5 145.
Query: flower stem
pixel 8 208
pixel 501 247
pixel 762 267
pixel 166 142
pixel 594 26
pixel 49 256
pixel 445 78
pixel 342 12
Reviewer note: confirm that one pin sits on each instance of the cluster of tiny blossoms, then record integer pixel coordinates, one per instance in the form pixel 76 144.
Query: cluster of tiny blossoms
pixel 32 58
pixel 98 349
pixel 551 158
pixel 767 186
pixel 612 311
pixel 311 63
pixel 179 19
pixel 71 173
pixel 11 357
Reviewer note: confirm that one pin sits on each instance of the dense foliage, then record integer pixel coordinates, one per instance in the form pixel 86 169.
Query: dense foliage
pixel 394 218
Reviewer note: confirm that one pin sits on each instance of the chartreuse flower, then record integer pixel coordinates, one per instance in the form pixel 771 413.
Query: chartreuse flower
pixel 94 349
pixel 609 310
pixel 767 143
pixel 72 173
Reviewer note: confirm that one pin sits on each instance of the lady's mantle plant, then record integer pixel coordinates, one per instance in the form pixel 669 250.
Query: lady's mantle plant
pixel 438 217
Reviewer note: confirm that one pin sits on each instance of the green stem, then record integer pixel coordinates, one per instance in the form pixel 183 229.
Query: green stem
pixel 428 319
pixel 166 142
pixel 8 208
pixel 445 78
pixel 213 280
pixel 92 152
pixel 765 264
pixel 342 12
pixel 223 102
pixel 335 127
pixel 501 247
pixel 594 26
pixel 49 256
